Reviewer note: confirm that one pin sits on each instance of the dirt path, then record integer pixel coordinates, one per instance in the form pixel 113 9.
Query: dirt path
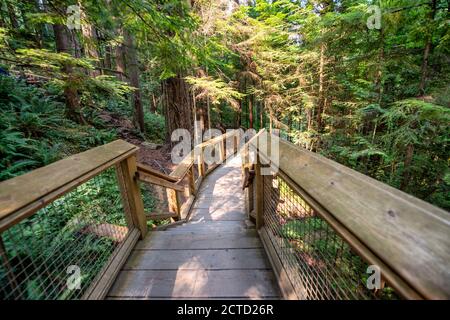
pixel 158 159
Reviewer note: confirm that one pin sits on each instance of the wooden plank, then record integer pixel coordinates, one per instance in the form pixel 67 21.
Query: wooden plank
pixel 191 182
pixel 211 226
pixel 250 284
pixel 409 235
pixel 158 181
pixel 21 196
pixel 106 277
pixel 216 139
pixel 183 167
pixel 131 193
pixel 186 208
pixel 205 259
pixel 169 240
pixel 149 170
pixel 259 194
pixel 219 214
pixel 160 216
pixel 173 199
pixel 201 163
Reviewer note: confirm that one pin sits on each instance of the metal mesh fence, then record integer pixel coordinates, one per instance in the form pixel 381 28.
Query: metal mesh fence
pixel 42 255
pixel 319 263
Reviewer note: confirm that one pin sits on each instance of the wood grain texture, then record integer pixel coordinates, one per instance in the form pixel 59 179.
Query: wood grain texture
pixel 214 255
pixel 407 234
pixel 194 259
pixel 201 284
pixel 25 194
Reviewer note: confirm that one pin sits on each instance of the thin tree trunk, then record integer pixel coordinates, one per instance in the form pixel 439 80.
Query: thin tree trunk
pixel 89 41
pixel 133 75
pixel 379 77
pixel 120 61
pixel 177 105
pixel 12 15
pixel 406 166
pixel 427 50
pixel 321 95
pixel 63 45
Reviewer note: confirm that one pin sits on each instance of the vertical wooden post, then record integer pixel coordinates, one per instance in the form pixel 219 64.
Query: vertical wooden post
pixel 236 143
pixel 131 194
pixel 259 194
pixel 191 177
pixel 222 151
pixel 201 163
pixel 174 202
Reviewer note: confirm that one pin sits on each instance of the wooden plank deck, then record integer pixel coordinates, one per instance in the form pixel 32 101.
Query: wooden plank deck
pixel 213 256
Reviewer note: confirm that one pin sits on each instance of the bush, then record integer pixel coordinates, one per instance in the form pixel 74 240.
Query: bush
pixel 34 130
pixel 155 127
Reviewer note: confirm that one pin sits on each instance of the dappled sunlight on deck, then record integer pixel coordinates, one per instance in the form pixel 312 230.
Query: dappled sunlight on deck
pixel 214 255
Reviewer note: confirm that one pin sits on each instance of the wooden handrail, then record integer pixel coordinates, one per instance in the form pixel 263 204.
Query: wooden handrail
pixel 405 236
pixel 142 168
pixel 174 182
pixel 21 196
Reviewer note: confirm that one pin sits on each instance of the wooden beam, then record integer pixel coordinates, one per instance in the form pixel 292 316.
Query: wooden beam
pixel 183 167
pixel 160 216
pixel 158 181
pixel 146 169
pixel 131 194
pixel 21 196
pixel 408 235
pixel 191 182
pixel 173 199
pixel 259 194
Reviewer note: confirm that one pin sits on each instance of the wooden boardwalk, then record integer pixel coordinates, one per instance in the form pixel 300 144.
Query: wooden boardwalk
pixel 216 255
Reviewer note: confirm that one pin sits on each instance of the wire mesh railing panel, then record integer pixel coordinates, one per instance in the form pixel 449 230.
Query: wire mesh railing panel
pixel 58 251
pixel 154 198
pixel 319 263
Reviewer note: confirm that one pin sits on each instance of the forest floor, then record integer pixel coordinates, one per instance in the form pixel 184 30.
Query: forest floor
pixel 154 155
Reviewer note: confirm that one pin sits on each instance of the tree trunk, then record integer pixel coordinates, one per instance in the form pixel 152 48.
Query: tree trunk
pixel 250 112
pixel 406 166
pixel 133 75
pixel 89 41
pixel 321 95
pixel 120 61
pixel 177 105
pixel 427 50
pixel 12 16
pixel 64 45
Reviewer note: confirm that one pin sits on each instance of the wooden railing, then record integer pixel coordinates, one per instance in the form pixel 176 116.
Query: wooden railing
pixel 185 180
pixel 86 213
pixel 323 224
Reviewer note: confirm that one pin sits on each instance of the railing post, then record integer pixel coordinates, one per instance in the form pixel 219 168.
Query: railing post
pixel 173 199
pixel 131 194
pixel 259 194
pixel 191 179
pixel 201 163
pixel 222 151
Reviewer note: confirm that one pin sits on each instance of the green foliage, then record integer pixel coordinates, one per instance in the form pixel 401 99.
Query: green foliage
pixel 155 128
pixel 34 130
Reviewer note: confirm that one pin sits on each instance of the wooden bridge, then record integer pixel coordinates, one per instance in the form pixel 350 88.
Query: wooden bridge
pixel 245 226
